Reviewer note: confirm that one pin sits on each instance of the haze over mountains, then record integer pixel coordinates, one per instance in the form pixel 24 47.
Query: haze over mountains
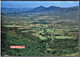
pixel 41 9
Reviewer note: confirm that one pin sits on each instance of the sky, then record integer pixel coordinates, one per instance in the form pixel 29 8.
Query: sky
pixel 33 4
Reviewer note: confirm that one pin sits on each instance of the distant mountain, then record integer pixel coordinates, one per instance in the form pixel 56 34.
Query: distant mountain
pixel 42 9
pixel 37 9
pixel 62 13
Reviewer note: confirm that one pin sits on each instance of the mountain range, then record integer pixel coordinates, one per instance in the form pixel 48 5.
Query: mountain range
pixel 42 9
pixel 63 13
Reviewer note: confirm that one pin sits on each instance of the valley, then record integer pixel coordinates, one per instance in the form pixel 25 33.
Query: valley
pixel 42 34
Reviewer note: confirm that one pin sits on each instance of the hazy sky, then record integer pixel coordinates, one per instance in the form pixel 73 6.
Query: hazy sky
pixel 29 4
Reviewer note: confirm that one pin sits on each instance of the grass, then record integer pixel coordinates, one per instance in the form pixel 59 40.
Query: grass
pixel 42 38
pixel 24 31
pixel 11 26
pixel 21 28
pixel 74 54
pixel 62 37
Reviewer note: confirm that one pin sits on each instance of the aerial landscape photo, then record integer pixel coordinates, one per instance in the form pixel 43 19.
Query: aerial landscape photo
pixel 45 28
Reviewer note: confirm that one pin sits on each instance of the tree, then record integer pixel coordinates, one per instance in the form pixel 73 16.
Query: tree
pixel 51 33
